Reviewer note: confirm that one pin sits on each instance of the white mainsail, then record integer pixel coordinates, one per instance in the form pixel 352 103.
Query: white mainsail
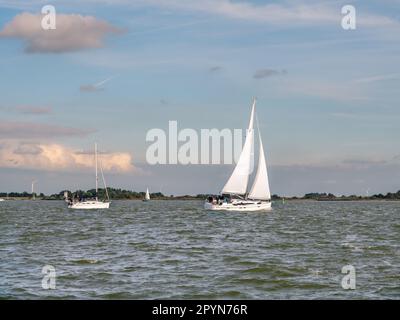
pixel 237 183
pixel 147 196
pixel 260 189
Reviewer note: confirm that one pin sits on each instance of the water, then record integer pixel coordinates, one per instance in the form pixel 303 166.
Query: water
pixel 175 249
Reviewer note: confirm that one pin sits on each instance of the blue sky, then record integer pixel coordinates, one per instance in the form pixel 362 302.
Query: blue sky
pixel 329 116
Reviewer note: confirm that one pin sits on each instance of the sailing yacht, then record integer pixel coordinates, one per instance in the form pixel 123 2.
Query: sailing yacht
pixel 95 203
pixel 147 195
pixel 234 195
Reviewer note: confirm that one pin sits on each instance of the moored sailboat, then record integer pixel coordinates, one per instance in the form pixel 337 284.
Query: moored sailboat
pixel 93 203
pixel 234 195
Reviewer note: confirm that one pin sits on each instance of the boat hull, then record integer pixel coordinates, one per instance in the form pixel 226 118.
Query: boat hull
pixel 86 205
pixel 243 205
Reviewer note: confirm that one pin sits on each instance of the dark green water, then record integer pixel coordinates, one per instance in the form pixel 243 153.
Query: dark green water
pixel 175 249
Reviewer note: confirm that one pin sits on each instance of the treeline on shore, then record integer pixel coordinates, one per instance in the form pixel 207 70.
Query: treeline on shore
pixel 121 194
pixel 115 194
pixel 331 197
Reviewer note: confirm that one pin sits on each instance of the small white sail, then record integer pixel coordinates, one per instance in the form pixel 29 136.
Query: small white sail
pixel 237 183
pixel 260 189
pixel 147 196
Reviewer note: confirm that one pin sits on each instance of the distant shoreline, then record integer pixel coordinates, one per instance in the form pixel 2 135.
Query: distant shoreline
pixel 202 199
pixel 197 199
pixel 120 194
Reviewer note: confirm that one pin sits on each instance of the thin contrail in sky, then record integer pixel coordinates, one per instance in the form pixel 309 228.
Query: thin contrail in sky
pixel 99 84
pixel 95 87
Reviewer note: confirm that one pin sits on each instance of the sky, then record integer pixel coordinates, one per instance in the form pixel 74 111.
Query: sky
pixel 328 98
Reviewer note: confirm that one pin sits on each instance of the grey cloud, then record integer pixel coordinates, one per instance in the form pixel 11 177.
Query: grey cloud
pixel 215 69
pixel 29 130
pixel 86 152
pixel 33 110
pixel 396 158
pixel 266 73
pixel 362 162
pixel 90 88
pixel 27 148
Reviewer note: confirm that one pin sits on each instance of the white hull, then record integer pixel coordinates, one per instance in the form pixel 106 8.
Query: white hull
pixel 239 205
pixel 90 205
pixel 1 200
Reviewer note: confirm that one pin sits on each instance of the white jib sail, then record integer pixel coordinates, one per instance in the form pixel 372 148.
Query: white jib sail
pixel 237 183
pixel 260 189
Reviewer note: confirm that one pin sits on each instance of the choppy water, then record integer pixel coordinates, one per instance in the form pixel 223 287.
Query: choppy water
pixel 175 249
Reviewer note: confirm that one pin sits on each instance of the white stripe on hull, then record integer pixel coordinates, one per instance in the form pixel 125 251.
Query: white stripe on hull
pixel 244 205
pixel 90 205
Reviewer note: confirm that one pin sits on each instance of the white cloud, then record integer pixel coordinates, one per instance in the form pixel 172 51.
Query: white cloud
pixel 74 32
pixel 286 13
pixel 289 13
pixel 376 78
pixel 56 157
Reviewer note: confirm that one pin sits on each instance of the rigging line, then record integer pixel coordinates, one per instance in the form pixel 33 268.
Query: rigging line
pixel 104 180
pixel 258 125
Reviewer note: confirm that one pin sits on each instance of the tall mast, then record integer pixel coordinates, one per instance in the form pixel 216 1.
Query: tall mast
pixel 97 178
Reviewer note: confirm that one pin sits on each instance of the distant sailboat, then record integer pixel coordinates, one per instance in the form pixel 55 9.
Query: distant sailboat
pixel 147 195
pixel 32 190
pixel 1 199
pixel 95 203
pixel 234 195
